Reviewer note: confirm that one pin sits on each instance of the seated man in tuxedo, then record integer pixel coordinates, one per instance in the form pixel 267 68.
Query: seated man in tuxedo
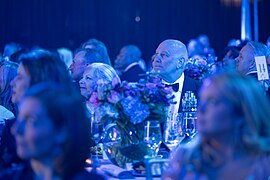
pixel 169 64
pixel 246 65
pixel 128 64
pixel 82 58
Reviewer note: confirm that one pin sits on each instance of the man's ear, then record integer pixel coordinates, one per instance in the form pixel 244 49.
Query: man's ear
pixel 180 62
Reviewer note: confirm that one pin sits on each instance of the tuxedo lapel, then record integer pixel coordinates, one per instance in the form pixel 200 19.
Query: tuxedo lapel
pixel 189 85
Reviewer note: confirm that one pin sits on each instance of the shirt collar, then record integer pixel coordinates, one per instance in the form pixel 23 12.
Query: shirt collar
pixel 179 80
pixel 130 66
pixel 251 72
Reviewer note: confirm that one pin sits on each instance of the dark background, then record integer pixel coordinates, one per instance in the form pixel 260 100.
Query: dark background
pixel 56 23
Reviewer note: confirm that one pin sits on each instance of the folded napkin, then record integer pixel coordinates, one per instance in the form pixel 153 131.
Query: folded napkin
pixel 5 113
pixel 116 171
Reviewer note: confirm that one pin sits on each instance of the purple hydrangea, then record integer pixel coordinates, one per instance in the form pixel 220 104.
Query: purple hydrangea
pixel 136 110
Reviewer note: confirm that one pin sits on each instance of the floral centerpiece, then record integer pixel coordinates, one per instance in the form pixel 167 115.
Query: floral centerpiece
pixel 129 105
pixel 198 68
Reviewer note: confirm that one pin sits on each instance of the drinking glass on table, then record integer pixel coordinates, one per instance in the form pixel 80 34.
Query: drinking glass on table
pixel 96 135
pixel 189 124
pixel 174 131
pixel 152 136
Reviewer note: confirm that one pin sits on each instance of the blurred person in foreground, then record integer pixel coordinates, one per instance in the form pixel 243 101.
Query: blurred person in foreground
pixel 52 133
pixel 234 133
pixel 35 67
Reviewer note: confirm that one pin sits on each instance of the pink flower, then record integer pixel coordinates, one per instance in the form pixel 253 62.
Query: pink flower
pixel 114 97
pixel 157 80
pixel 100 92
pixel 115 82
pixel 94 99
pixel 150 85
pixel 201 62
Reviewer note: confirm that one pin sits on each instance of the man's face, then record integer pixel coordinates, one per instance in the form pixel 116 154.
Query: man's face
pixel 245 60
pixel 78 65
pixel 165 61
pixel 122 60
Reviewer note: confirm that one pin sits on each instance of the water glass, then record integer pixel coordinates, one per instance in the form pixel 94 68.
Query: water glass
pixel 174 132
pixel 97 136
pixel 189 123
pixel 152 136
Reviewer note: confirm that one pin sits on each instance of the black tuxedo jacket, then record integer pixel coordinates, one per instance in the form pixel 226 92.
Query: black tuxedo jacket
pixel 132 75
pixel 255 76
pixel 190 85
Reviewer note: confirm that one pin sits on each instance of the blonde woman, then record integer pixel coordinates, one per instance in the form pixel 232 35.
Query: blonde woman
pixel 234 133
pixel 94 75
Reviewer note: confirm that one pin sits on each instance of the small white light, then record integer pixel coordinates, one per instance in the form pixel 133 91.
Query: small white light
pixel 137 18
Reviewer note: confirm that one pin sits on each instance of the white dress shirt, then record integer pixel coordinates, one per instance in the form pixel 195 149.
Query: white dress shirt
pixel 130 66
pixel 173 109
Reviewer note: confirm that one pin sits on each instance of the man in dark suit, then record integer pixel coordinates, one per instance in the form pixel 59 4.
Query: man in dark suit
pixel 129 64
pixel 246 64
pixel 169 64
pixel 82 58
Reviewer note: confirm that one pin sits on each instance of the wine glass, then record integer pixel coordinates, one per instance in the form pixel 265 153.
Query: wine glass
pixel 96 135
pixel 152 136
pixel 189 124
pixel 174 132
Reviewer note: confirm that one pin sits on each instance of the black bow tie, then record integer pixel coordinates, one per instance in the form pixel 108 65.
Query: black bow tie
pixel 174 86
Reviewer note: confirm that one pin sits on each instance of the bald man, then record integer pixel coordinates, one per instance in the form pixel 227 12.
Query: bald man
pixel 169 64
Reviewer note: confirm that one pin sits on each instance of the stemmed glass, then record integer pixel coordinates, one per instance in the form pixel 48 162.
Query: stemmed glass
pixel 96 135
pixel 152 136
pixel 96 130
pixel 189 124
pixel 174 131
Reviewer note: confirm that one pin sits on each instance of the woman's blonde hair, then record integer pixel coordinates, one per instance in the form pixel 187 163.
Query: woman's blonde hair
pixel 247 96
pixel 103 71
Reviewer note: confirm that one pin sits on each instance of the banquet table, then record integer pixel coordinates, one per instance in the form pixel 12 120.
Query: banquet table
pixel 113 172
